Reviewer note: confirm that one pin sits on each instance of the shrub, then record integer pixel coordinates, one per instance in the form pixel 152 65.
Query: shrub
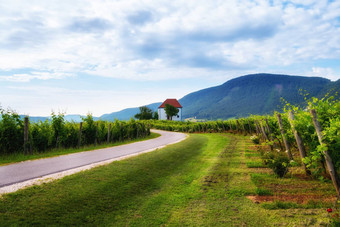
pixel 11 132
pixel 255 139
pixel 263 191
pixel 279 164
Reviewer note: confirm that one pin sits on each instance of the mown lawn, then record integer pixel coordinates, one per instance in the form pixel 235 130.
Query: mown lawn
pixel 202 181
pixel 19 157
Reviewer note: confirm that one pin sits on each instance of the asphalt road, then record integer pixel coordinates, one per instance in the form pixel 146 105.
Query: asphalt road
pixel 23 171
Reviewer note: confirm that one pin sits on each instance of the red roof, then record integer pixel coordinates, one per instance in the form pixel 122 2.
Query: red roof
pixel 172 102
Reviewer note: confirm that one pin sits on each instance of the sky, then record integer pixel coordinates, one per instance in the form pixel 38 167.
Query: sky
pixel 85 56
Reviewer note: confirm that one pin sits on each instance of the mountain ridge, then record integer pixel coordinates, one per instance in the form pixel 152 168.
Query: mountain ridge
pixel 250 94
pixel 259 93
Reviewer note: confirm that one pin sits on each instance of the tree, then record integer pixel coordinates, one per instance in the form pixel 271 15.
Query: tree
pixel 170 111
pixel 155 115
pixel 145 113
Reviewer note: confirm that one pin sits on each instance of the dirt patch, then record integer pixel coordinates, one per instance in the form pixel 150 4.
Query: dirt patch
pixel 300 199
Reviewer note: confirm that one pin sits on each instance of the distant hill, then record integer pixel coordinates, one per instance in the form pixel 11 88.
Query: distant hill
pixel 69 117
pixel 251 94
pixel 245 95
pixel 331 88
pixel 35 119
pixel 126 114
pixel 239 97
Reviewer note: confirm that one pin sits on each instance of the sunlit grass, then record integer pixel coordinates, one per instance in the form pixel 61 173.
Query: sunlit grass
pixel 202 181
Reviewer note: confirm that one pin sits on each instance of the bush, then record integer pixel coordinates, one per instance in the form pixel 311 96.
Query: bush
pixel 11 132
pixel 255 139
pixel 279 164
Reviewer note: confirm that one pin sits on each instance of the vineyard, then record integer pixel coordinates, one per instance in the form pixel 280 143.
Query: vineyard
pixel 291 135
pixel 308 136
pixel 300 146
pixel 21 136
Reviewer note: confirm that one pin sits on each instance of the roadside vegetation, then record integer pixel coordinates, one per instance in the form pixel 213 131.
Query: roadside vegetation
pixel 19 156
pixel 21 137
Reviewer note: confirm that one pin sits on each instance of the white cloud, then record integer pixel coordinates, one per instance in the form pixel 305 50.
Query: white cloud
pixel 325 72
pixel 162 39
pixel 204 42
pixel 34 75
pixel 103 35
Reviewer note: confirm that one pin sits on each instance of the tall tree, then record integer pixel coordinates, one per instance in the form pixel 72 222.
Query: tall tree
pixel 170 111
pixel 145 113
pixel 155 115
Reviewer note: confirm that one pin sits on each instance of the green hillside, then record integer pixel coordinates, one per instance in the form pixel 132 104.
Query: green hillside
pixel 239 97
pixel 126 114
pixel 251 94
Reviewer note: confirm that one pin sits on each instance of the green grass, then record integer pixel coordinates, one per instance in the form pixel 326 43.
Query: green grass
pixel 263 191
pixel 19 157
pixel 277 205
pixel 202 181
pixel 255 164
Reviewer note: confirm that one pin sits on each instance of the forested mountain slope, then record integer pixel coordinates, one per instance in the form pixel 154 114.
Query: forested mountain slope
pixel 251 94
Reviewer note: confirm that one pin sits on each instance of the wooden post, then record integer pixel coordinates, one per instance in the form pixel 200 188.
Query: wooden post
pixel 223 126
pixel 282 130
pixel 137 130
pixel 26 129
pixel 329 162
pixel 243 128
pixel 258 131
pixel 237 126
pixel 268 129
pixel 95 139
pixel 299 141
pixel 263 131
pixel 230 127
pixel 270 133
pixel 80 128
pixel 108 133
pixel 265 134
pixel 121 131
pixel 249 128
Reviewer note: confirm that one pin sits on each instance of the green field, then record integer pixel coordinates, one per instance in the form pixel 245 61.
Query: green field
pixel 202 181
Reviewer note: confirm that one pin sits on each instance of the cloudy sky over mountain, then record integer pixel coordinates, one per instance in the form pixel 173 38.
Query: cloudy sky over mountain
pixel 102 56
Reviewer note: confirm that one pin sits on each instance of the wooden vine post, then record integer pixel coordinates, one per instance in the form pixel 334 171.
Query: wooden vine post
pixel 95 139
pixel 238 126
pixel 248 123
pixel 263 132
pixel 282 130
pixel 270 134
pixel 299 141
pixel 108 134
pixel 243 128
pixel 223 126
pixel 26 129
pixel 258 131
pixel 329 162
pixel 121 131
pixel 137 127
pixel 80 128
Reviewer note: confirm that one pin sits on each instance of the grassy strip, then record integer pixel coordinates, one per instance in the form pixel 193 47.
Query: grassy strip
pixel 19 157
pixel 202 181
pixel 138 191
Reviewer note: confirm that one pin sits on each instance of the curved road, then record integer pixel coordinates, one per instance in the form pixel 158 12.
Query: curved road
pixel 23 171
